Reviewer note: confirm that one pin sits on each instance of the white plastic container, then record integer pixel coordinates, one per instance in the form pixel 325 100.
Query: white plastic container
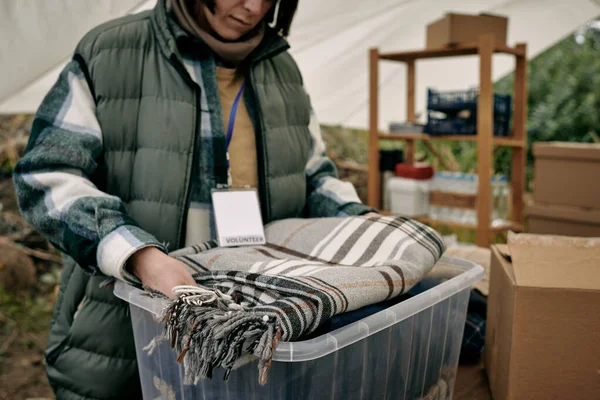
pixel 409 197
pixel 402 352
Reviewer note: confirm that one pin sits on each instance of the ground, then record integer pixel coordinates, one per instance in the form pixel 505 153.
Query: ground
pixel 27 282
pixel 472 384
pixel 24 320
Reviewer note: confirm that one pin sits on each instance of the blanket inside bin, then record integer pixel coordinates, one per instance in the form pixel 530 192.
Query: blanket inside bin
pixel 250 298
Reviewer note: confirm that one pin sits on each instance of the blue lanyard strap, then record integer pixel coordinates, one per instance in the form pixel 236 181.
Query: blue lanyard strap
pixel 233 114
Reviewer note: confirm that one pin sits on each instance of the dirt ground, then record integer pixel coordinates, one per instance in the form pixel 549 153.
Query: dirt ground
pixel 24 313
pixel 22 374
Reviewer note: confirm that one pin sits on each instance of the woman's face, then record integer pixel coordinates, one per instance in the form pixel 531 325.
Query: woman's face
pixel 233 19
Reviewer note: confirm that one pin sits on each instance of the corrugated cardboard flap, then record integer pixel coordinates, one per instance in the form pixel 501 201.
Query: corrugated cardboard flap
pixel 451 14
pixel 493 15
pixel 555 261
pixel 564 213
pixel 504 251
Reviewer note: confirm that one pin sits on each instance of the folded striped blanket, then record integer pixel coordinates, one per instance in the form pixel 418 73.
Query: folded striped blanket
pixel 250 298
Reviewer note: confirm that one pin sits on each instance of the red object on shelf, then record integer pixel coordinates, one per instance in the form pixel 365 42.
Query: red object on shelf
pixel 420 173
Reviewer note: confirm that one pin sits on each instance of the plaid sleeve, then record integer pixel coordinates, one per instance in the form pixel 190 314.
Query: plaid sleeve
pixel 54 189
pixel 328 196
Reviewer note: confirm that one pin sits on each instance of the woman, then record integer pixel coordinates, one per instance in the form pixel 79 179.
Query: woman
pixel 129 143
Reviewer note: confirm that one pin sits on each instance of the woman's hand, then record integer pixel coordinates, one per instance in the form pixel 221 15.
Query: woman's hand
pixel 159 271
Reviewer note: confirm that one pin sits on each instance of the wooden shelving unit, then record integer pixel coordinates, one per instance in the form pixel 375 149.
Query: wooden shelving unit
pixel 497 141
pixel 517 141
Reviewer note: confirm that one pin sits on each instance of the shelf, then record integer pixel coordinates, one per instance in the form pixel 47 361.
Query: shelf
pixel 509 142
pixel 449 224
pixel 486 144
pixel 513 226
pixel 498 141
pixel 460 50
pixel 495 229
pixel 454 200
pixel 426 137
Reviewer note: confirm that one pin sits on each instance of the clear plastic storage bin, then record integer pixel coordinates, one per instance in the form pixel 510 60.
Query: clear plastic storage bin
pixel 407 351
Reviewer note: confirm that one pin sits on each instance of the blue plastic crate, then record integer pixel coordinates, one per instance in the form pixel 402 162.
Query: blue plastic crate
pixel 455 125
pixel 456 101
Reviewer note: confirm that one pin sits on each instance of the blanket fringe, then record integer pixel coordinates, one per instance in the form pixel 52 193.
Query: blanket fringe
pixel 209 330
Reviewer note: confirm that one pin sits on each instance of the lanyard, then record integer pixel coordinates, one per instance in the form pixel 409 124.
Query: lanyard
pixel 232 115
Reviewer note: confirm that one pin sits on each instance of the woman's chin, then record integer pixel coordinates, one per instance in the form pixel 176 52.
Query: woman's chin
pixel 230 35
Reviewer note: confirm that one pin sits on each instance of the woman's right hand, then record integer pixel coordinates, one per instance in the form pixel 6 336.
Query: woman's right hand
pixel 159 271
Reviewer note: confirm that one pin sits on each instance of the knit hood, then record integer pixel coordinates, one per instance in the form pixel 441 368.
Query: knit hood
pixel 230 52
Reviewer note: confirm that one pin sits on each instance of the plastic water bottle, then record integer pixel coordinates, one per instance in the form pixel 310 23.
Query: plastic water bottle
pixel 468 184
pixel 460 214
pixel 470 189
pixel 503 192
pixel 505 197
pixel 434 210
pixel 473 213
pixel 494 183
pixel 447 185
pixel 474 183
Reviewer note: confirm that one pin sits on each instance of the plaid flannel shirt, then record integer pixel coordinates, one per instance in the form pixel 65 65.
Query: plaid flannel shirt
pixel 57 196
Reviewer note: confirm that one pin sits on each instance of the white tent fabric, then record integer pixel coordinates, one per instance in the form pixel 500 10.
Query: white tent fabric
pixel 330 40
pixel 38 37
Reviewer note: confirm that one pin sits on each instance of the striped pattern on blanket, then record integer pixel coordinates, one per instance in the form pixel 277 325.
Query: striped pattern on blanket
pixel 249 298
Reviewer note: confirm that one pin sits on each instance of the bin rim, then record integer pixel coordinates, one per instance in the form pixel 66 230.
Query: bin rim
pixel 467 273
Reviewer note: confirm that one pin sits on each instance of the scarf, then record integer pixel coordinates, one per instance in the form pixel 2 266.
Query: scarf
pixel 250 298
pixel 193 21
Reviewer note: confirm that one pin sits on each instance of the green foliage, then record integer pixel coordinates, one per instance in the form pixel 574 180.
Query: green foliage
pixel 346 143
pixel 564 93
pixel 29 313
pixel 563 105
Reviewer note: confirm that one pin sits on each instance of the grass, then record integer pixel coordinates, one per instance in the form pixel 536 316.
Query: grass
pixel 353 144
pixel 27 312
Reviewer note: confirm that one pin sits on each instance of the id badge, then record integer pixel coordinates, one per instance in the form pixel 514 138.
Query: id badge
pixel 237 217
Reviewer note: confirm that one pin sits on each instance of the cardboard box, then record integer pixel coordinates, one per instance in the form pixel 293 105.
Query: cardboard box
pixel 462 28
pixel 543 327
pixel 560 220
pixel 567 174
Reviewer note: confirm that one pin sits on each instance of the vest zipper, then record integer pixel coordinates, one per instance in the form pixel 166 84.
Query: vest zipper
pixel 197 123
pixel 261 154
pixel 57 351
pixel 188 183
